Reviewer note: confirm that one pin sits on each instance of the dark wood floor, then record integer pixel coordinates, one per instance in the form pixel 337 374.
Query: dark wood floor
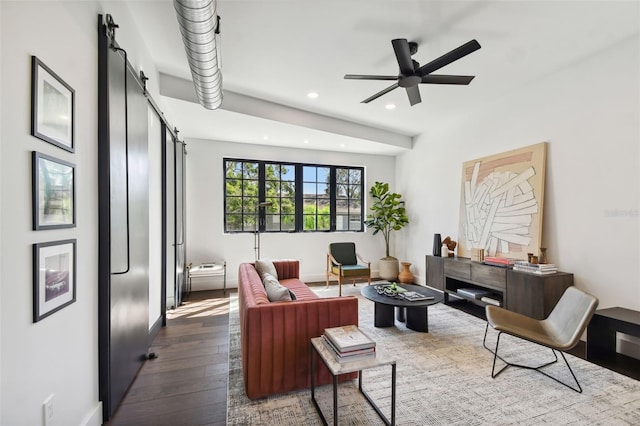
pixel 187 383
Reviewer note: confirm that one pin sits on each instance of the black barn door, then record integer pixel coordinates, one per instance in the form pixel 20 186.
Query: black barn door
pixel 124 225
pixel 180 226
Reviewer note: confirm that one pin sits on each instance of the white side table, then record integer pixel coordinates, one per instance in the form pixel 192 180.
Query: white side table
pixel 209 270
pixel 337 368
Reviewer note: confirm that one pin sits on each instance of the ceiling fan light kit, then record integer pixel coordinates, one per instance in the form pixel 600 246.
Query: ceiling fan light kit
pixel 411 74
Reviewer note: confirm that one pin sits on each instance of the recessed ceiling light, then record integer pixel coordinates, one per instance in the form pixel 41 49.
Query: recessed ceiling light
pixel 306 141
pixel 265 137
pixel 312 95
pixel 390 106
pixel 341 145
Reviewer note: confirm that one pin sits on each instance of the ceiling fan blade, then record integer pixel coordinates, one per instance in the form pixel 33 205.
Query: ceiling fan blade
pixel 380 93
pixel 403 55
pixel 414 95
pixel 447 79
pixel 447 58
pixel 369 77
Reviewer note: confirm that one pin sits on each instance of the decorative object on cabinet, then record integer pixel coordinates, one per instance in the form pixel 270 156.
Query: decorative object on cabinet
pixel 387 214
pixel 501 203
pixel 542 258
pixel 451 245
pixel 54 277
pixel 52 107
pixel 437 245
pixel 477 255
pixel 53 193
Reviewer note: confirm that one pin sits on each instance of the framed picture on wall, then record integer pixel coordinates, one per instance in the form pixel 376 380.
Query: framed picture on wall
pixel 54 277
pixel 52 107
pixel 54 193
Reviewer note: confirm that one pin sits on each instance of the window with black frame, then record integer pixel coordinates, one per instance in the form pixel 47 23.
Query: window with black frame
pixel 292 197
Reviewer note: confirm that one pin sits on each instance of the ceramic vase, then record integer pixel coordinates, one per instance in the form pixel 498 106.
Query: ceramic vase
pixel 543 255
pixel 437 245
pixel 405 276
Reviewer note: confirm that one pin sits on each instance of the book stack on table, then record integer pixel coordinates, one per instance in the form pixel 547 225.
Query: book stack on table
pixel 414 296
pixel 535 268
pixel 348 343
pixel 499 261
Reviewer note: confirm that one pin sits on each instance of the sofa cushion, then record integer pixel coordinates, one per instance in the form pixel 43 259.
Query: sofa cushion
pixel 276 292
pixel 266 266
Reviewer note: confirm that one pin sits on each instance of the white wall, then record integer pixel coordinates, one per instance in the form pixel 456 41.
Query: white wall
pixel 58 355
pixel 589 113
pixel 207 241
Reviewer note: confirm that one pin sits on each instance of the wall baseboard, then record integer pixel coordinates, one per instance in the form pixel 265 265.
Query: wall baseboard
pixel 154 330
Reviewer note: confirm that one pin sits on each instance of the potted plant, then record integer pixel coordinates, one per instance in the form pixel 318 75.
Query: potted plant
pixel 387 214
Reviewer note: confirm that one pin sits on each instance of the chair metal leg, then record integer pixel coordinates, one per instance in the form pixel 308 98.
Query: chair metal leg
pixel 494 374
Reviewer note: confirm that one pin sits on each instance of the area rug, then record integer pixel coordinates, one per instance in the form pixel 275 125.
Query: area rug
pixel 444 378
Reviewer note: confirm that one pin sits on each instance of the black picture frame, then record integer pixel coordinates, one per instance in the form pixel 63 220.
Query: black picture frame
pixel 54 277
pixel 52 107
pixel 54 192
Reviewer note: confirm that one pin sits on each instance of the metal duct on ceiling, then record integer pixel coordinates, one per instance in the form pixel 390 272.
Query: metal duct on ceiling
pixel 199 24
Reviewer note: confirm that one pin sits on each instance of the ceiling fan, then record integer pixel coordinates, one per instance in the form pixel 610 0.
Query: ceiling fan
pixel 412 74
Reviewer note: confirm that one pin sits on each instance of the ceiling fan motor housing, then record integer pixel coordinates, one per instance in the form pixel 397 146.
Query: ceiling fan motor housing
pixel 409 80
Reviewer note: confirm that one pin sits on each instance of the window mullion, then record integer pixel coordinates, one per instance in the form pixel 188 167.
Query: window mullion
pixel 332 199
pixel 261 196
pixel 299 199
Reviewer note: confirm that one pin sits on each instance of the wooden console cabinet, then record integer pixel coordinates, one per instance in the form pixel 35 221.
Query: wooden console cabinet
pixel 528 294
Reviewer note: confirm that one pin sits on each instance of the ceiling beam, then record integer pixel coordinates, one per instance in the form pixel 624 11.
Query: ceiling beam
pixel 179 88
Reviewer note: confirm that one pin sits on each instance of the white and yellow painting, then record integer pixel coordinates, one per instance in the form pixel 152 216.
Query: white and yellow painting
pixel 501 203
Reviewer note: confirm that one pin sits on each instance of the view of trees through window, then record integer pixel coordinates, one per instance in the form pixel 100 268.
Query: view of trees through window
pixel 266 196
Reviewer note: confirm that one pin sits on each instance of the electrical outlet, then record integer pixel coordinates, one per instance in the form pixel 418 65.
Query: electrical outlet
pixel 47 408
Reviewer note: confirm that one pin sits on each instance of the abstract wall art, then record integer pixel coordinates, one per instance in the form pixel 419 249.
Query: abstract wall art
pixel 502 202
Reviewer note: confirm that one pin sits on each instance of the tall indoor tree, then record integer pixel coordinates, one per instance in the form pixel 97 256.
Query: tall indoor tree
pixel 387 214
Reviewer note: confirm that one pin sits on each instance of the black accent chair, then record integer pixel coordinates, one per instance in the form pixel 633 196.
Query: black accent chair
pixel 342 263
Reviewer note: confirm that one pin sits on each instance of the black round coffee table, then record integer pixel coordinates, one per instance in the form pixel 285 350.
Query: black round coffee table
pixel 413 312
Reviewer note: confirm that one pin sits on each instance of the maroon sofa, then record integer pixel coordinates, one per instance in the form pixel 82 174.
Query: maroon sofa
pixel 276 336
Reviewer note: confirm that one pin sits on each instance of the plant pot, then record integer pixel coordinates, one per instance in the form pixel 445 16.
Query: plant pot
pixel 389 268
pixel 405 276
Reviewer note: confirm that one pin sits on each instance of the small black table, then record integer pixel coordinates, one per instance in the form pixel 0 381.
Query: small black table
pixel 414 313
pixel 601 339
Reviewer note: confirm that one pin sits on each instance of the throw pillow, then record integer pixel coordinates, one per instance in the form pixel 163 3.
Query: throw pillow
pixel 276 292
pixel 266 266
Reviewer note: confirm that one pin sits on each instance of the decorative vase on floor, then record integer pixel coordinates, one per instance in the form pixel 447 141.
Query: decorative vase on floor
pixel 405 276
